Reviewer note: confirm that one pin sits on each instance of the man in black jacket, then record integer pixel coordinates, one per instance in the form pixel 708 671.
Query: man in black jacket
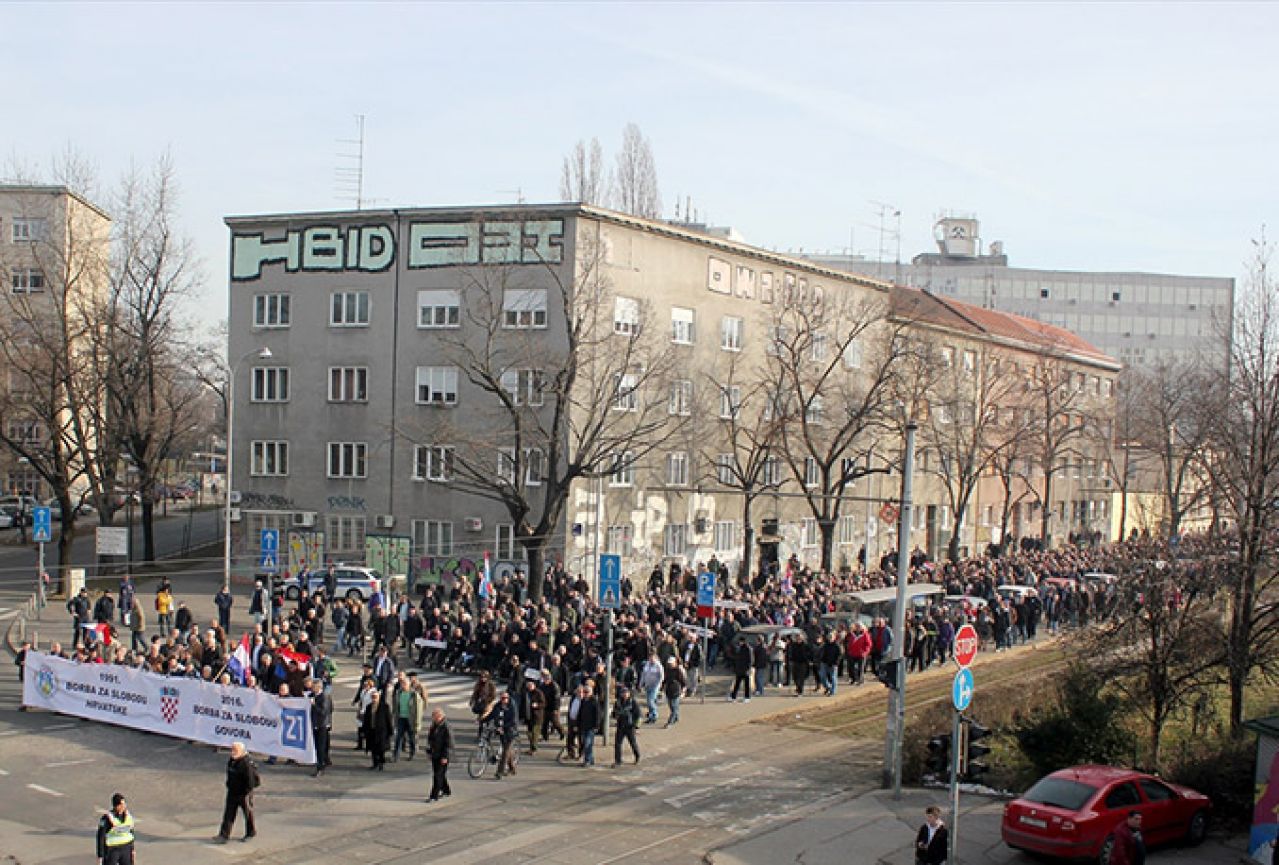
pixel 321 725
pixel 741 669
pixel 439 744
pixel 932 839
pixel 628 713
pixel 506 725
pixel 588 719
pixel 241 779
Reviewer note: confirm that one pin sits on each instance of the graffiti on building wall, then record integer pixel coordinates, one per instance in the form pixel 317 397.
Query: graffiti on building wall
pixel 346 503
pixel 445 570
pixel 388 554
pixel 306 550
pixel 373 248
pixel 266 501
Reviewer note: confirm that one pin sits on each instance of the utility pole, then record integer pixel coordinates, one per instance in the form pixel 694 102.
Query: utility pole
pixel 897 696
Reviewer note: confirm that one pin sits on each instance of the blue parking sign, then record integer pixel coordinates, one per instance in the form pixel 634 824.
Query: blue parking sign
pixel 706 593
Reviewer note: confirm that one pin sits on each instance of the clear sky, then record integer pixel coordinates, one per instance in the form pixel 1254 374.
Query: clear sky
pixel 1086 136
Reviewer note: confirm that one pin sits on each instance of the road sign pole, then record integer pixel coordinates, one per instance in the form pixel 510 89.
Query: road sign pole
pixel 897 696
pixel 956 750
pixel 40 599
pixel 608 675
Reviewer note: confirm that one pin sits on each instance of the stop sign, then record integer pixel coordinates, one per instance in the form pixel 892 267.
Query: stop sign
pixel 966 645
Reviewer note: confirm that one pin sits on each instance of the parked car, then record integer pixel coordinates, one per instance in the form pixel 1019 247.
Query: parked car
pixel 6 519
pixel 354 581
pixel 1073 813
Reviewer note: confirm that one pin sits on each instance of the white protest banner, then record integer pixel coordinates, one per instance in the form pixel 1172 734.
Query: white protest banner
pixel 732 605
pixel 696 630
pixel 183 708
pixel 424 643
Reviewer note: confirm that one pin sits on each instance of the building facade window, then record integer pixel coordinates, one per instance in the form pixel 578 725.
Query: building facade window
pixel 809 536
pixel 725 470
pixel 348 459
pixel 675 539
pixel 25 432
pixel 820 347
pixel 814 413
pixel 853 354
pixel 348 384
pixel 505 541
pixel 623 473
pixel 677 469
pixel 847 530
pixel 771 475
pixel 27 280
pixel 433 537
pixel 626 316
pixel 681 398
pixel 730 333
pixel 506 466
pixel 270 384
pixel 439 307
pixel 524 386
pixel 271 310
pixel 349 309
pixel 812 473
pixel 433 463
pixel 269 458
pixel 344 533
pixel 437 385
pixel 534 466
pixel 524 308
pixel 626 398
pixel 29 229
pixel 730 401
pixel 683 327
pixel 725 536
pixel 619 539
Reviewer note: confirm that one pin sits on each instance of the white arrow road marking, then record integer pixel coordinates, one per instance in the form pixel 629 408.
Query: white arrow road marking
pixel 45 790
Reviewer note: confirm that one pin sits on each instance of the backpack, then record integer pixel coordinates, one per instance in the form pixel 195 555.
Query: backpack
pixel 255 776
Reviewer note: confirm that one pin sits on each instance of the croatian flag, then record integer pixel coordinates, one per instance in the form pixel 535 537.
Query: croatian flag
pixel 100 630
pixel 486 582
pixel 240 660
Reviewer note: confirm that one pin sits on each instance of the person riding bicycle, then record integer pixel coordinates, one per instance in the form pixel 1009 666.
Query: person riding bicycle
pixel 502 720
pixel 483 696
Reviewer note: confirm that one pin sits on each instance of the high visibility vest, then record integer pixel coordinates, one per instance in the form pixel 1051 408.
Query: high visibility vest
pixel 121 831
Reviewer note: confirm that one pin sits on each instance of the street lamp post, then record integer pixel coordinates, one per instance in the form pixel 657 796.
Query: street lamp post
pixel 263 353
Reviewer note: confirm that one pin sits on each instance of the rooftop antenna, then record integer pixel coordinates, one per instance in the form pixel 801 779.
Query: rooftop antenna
pixel 349 179
pixel 518 192
pixel 885 211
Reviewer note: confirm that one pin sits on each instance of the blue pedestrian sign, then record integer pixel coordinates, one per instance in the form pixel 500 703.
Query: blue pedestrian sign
pixel 610 581
pixel 270 560
pixel 42 525
pixel 961 693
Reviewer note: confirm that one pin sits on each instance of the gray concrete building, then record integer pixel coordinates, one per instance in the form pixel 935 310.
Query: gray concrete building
pixel 1137 318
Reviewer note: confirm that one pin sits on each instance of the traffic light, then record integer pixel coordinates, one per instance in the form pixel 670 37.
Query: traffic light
pixel 939 756
pixel 887 673
pixel 974 751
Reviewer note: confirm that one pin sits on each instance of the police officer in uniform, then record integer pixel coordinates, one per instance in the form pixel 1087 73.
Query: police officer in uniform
pixel 115 834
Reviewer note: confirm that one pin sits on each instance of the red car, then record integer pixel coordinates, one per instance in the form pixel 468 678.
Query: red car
pixel 1072 813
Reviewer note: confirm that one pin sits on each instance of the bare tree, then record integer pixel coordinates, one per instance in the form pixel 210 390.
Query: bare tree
pixel 1245 467
pixel 589 400
pixel 582 177
pixel 835 357
pixel 743 451
pixel 1059 424
pixel 152 393
pixel 635 188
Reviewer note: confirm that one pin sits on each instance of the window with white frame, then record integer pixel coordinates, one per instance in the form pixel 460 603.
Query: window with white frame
pixel 27 280
pixel 433 537
pixel 348 459
pixel 344 533
pixel 625 397
pixel 270 384
pixel 524 386
pixel 725 469
pixel 677 469
pixel 730 333
pixel 534 466
pixel 853 354
pixel 269 458
pixel 725 535
pixel 848 468
pixel 437 385
pixel 524 308
pixel 847 530
pixel 683 329
pixel 812 473
pixel 505 541
pixel 25 432
pixel 626 316
pixel 349 309
pixel 771 475
pixel 774 405
pixel 947 356
pixel 618 539
pixel 29 229
pixel 433 463
pixel 271 310
pixel 778 338
pixel 439 307
pixel 970 361
pixel 623 472
pixel 348 384
pixel 506 465
pixel 675 539
pixel 820 346
pixel 730 401
pixel 809 536
pixel 681 402
pixel 814 413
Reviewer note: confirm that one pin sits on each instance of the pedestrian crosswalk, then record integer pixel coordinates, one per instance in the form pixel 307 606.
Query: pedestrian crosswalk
pixel 450 692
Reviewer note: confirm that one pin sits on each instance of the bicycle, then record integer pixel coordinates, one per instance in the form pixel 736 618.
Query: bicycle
pixel 488 750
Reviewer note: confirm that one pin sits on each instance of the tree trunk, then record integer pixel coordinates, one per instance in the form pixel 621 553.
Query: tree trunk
pixel 827 529
pixel 148 530
pixel 534 551
pixel 748 536
pixel 1045 519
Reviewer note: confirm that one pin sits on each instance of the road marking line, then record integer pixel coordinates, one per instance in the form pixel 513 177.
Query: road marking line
pixel 44 790
pixel 70 763
pixel 59 727
pixel 3 773
pixel 647 847
pixel 9 732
